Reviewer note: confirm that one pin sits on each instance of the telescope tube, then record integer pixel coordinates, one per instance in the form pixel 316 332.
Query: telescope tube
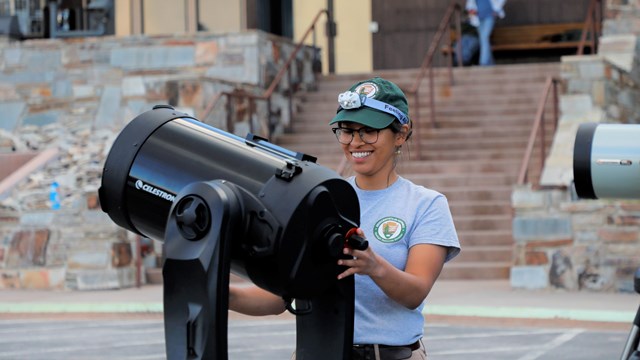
pixel 295 212
pixel 606 161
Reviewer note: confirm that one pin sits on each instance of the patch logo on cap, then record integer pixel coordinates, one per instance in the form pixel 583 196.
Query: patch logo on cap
pixel 389 229
pixel 369 89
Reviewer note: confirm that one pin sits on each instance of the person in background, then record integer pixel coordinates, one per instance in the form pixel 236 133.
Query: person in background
pixel 469 45
pixel 483 15
pixel 409 228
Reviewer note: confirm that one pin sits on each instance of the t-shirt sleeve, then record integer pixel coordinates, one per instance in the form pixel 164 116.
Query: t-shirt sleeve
pixel 434 225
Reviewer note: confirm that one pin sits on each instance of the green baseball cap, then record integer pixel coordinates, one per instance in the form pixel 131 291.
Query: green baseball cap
pixel 375 103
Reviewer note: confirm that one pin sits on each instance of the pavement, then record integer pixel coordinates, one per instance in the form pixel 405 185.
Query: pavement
pixel 449 300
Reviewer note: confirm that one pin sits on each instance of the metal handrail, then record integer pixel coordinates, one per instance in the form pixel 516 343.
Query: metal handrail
pixel 538 128
pixel 427 65
pixel 592 24
pixel 266 95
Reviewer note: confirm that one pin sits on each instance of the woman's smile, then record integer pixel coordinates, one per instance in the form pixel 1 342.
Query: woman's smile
pixel 360 154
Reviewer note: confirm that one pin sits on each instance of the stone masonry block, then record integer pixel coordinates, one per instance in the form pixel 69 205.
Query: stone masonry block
pixel 575 103
pixel 618 49
pixel 524 197
pixel 108 111
pixel 536 258
pixel 28 248
pixel 619 235
pixel 562 271
pixel 626 219
pixel 529 277
pixel 11 113
pixel 100 279
pixel 45 279
pixel 121 254
pixel 9 279
pixel 630 205
pixel 582 206
pixel 206 52
pixel 594 70
pixel 546 244
pixel 542 228
pixel 588 221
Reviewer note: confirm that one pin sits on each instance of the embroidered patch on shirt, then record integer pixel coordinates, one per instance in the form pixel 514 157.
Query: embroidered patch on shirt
pixel 389 229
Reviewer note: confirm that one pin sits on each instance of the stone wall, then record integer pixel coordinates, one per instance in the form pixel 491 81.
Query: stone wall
pixel 70 98
pixel 562 241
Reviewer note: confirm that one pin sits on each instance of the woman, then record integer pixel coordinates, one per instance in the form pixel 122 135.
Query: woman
pixel 409 228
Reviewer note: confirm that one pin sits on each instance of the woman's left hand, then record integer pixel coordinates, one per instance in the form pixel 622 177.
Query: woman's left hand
pixel 363 262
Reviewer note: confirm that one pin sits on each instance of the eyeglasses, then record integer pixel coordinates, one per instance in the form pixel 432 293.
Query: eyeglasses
pixel 345 135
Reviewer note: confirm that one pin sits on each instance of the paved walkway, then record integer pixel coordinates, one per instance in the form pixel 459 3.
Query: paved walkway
pixel 463 299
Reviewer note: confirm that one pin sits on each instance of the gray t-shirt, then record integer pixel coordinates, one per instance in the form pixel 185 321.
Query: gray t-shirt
pixel 393 220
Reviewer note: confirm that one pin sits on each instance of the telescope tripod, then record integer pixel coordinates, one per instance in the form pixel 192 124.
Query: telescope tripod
pixel 631 351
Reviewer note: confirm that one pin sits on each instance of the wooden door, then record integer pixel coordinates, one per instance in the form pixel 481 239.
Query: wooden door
pixel 407 27
pixel 405 30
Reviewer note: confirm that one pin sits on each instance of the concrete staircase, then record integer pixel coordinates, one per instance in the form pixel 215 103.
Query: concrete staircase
pixel 472 157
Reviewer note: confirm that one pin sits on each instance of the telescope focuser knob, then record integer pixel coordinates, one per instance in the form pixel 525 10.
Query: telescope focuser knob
pixel 355 241
pixel 193 217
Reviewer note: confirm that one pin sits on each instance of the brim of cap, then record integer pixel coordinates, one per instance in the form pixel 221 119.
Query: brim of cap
pixel 366 116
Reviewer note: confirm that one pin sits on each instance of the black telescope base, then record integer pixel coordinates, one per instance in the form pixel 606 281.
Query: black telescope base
pixel 203 221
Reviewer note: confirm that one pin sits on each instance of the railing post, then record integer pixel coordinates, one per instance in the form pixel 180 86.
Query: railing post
pixel 589 24
pixel 450 59
pixel 432 98
pixel 416 124
pixel 332 31
pixel 228 105
pixel 543 144
pixel 427 62
pixel 538 125
pixel 556 112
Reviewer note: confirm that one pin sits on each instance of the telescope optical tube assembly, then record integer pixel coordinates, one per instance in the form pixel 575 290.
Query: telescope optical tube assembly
pixel 606 161
pixel 224 203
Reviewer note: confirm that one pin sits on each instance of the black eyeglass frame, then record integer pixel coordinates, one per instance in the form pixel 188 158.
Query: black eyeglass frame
pixel 360 131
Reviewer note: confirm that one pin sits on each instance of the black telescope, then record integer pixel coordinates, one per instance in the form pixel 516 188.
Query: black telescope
pixel 606 161
pixel 224 203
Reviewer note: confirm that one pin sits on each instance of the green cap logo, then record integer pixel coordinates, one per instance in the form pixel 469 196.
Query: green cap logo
pixel 389 229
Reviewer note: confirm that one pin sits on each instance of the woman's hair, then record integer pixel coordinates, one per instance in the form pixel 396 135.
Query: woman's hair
pixel 396 127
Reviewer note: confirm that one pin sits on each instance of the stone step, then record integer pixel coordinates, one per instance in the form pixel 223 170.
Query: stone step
pixel 322 150
pixel 405 78
pixel 439 180
pixel 489 253
pixel 485 237
pixel 468 95
pixel 483 222
pixel 477 193
pixel 521 131
pixel 477 270
pixel 406 166
pixel 466 208
pixel 481 154
pixel 458 167
pixel 319 120
pixel 325 141
pixel 439 144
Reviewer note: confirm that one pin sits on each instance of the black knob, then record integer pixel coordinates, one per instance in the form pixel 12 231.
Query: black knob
pixel 193 217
